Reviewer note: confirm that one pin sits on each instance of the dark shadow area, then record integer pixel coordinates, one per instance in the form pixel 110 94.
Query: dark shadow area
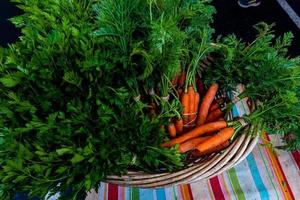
pixel 231 18
pixel 8 32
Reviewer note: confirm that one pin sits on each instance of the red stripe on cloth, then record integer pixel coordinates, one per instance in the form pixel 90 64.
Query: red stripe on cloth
pixel 286 183
pixel 216 187
pixel 296 156
pixel 190 192
pixel 112 192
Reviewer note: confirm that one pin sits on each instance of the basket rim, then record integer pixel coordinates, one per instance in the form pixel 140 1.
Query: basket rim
pixel 203 168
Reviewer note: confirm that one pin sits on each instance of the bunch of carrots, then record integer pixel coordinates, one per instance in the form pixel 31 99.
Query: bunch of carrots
pixel 201 118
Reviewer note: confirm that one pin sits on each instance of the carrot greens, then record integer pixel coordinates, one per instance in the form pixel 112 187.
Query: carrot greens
pixel 270 76
pixel 72 91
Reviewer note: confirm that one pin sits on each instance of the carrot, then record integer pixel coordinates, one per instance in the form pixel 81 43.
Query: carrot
pixel 191 144
pixel 197 100
pixel 207 100
pixel 214 115
pixel 191 94
pixel 179 125
pixel 223 136
pixel 196 132
pixel 211 132
pixel 216 104
pixel 213 150
pixel 175 80
pixel 172 130
pixel 152 108
pixel 185 105
pixel 182 78
pixel 218 148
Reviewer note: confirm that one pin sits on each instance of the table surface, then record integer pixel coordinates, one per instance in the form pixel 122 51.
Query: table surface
pixel 264 174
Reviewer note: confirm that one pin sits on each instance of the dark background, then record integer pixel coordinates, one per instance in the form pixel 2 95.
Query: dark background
pixel 8 33
pixel 230 18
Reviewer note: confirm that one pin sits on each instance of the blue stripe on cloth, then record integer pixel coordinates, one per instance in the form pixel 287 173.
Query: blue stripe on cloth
pixel 127 193
pixel 101 191
pixel 257 178
pixel 160 194
pixel 146 194
pixel 235 111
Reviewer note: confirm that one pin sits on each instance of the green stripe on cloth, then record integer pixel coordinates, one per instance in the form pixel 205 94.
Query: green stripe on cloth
pixel 174 193
pixel 135 194
pixel 238 192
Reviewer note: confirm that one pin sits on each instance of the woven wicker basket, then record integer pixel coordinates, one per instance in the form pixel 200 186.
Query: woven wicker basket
pixel 200 169
pixel 203 169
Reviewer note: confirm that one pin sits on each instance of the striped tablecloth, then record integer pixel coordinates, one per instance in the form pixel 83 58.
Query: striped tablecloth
pixel 264 174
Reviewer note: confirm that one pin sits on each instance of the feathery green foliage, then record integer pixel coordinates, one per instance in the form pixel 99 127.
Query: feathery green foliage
pixel 270 76
pixel 67 115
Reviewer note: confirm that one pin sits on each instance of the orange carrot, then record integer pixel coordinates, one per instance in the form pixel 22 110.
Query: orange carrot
pixel 218 148
pixel 191 94
pixel 191 144
pixel 185 105
pixel 216 104
pixel 223 136
pixel 207 100
pixel 211 133
pixel 214 115
pixel 179 125
pixel 196 132
pixel 172 130
pixel 197 100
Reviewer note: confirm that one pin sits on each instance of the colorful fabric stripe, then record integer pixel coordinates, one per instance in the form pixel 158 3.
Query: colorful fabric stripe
pixel 284 185
pixel 160 194
pixel 257 178
pixel 264 174
pixel 113 191
pixel 216 187
pixel 235 184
